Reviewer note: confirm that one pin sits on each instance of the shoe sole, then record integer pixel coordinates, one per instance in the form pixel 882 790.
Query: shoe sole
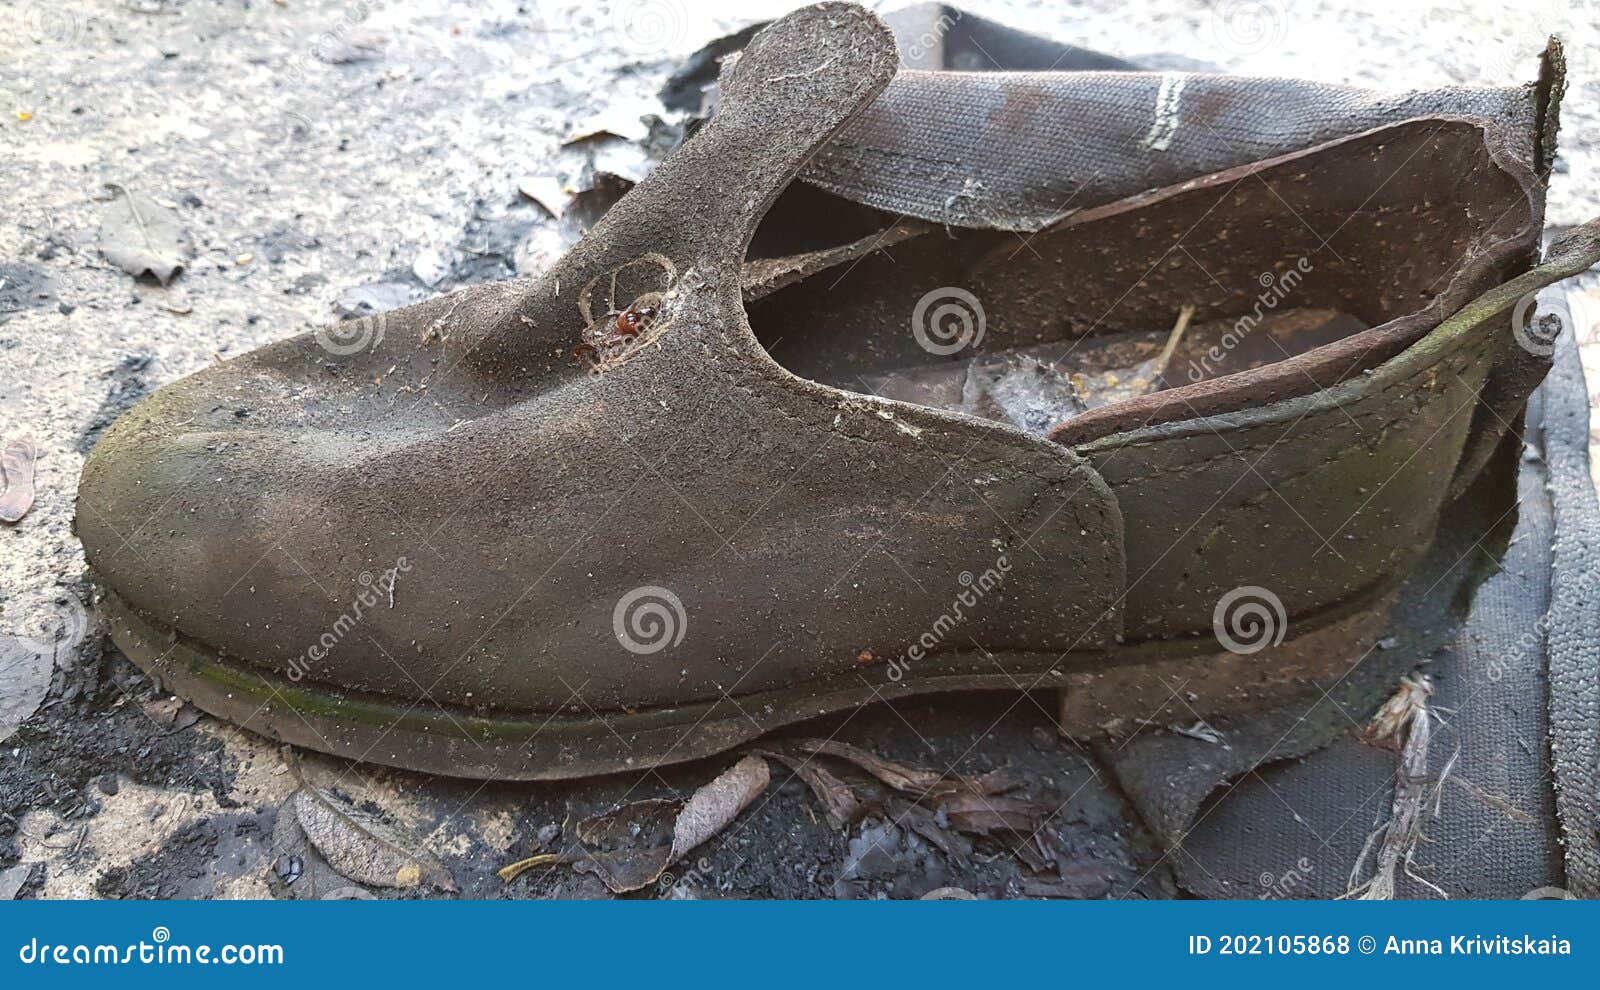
pixel 1134 683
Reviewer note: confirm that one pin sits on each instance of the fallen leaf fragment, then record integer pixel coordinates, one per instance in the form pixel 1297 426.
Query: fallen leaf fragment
pixel 546 190
pixel 172 713
pixel 142 237
pixel 839 800
pixel 623 121
pixel 25 672
pixel 297 870
pixel 362 848
pixel 983 813
pixel 16 480
pixel 629 847
pixel 919 783
pixel 13 879
pixel 713 806
pixel 521 866
pixel 926 824
pixel 165 710
pixel 1082 882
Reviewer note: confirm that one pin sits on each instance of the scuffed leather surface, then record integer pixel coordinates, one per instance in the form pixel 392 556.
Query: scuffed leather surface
pixel 1514 687
pixel 1345 453
pixel 799 525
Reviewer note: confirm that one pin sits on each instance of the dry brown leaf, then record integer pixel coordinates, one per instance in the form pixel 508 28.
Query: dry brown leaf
pixel 713 806
pixel 839 801
pixel 361 847
pixel 546 190
pixel 142 237
pixel 982 814
pixel 926 824
pixel 920 784
pixel 1083 882
pixel 629 847
pixel 164 710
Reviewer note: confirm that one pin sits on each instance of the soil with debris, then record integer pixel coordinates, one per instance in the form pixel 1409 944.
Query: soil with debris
pixel 328 159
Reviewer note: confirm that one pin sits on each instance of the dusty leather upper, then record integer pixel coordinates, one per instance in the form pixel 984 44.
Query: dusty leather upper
pixel 529 496
pixel 803 527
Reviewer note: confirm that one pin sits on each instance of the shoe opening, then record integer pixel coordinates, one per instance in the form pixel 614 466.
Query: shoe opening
pixel 1160 292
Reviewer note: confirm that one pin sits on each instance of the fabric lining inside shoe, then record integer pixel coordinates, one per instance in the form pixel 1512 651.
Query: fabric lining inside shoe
pixel 1300 271
pixel 1038 387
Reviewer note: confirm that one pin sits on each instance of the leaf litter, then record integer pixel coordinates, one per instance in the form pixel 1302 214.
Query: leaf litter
pixel 16 480
pixel 360 846
pixel 172 712
pixel 631 846
pixel 13 879
pixel 28 665
pixel 920 784
pixel 943 810
pixel 142 237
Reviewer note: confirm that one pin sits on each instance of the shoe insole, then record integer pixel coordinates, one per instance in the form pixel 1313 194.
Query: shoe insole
pixel 1038 387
